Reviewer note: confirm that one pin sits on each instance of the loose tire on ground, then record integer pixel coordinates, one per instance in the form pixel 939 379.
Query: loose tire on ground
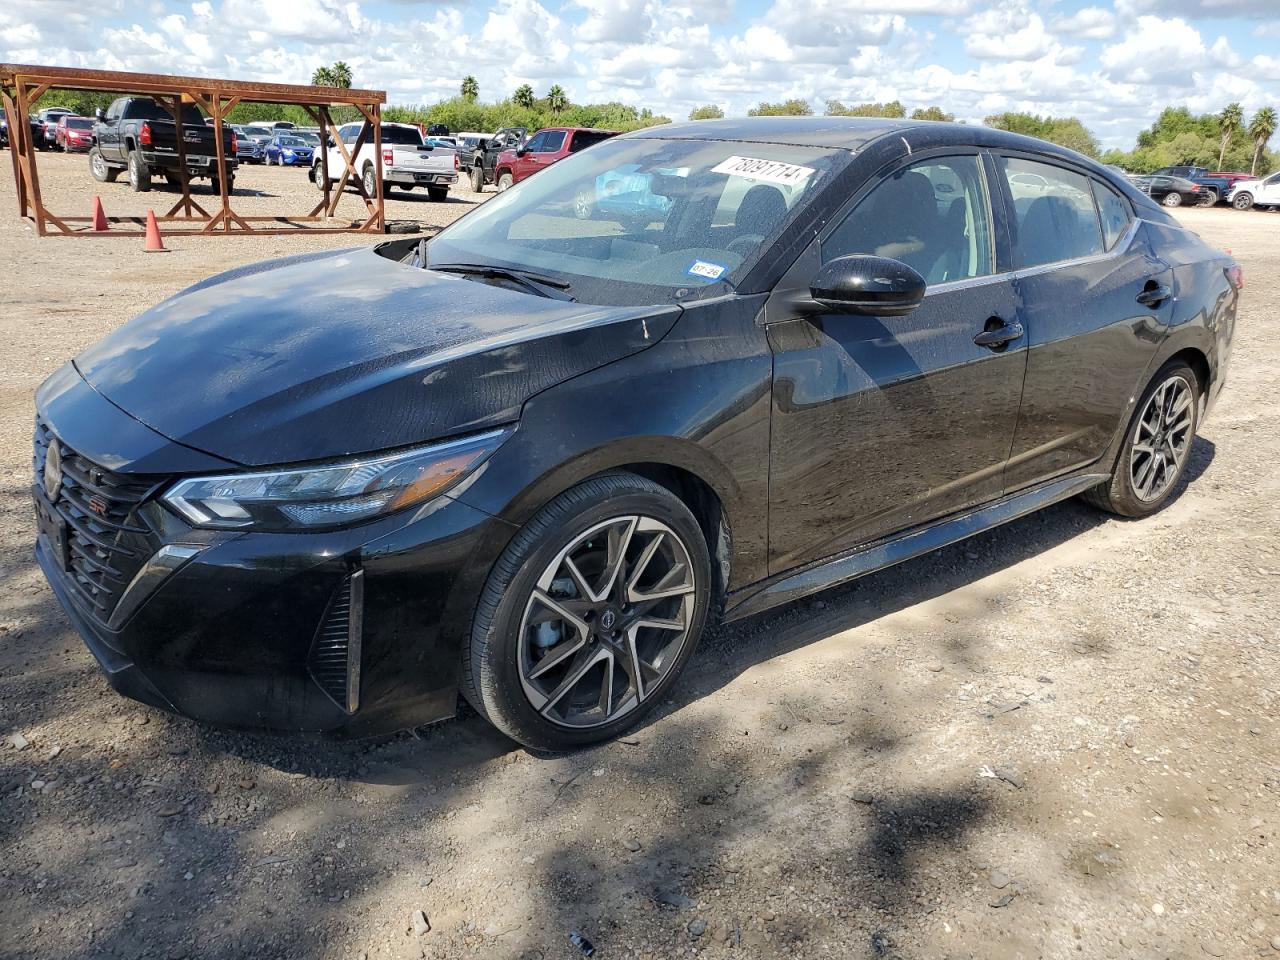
pixel 494 673
pixel 1122 494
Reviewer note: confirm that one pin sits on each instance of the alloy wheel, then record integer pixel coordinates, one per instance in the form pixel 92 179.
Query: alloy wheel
pixel 99 166
pixel 1163 438
pixel 606 621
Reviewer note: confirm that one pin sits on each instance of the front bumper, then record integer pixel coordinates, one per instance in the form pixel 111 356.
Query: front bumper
pixel 405 175
pixel 352 632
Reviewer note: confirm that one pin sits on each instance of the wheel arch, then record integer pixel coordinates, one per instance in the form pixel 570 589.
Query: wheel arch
pixel 682 467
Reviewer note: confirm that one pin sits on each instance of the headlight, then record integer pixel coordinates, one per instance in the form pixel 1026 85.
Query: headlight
pixel 332 494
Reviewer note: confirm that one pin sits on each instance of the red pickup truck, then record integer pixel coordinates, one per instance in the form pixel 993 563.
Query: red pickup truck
pixel 543 149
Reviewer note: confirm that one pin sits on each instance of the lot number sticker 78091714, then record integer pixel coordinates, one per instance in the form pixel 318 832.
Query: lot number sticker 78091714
pixel 770 171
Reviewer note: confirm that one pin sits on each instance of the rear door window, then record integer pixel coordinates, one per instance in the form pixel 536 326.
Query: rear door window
pixel 1114 212
pixel 585 138
pixel 1055 222
pixel 552 141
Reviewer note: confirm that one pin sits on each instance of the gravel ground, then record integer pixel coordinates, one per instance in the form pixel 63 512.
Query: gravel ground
pixel 1058 739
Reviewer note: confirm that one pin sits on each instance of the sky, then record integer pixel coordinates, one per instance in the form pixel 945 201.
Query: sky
pixel 1114 63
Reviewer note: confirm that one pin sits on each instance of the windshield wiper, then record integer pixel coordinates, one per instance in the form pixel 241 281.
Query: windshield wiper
pixel 533 282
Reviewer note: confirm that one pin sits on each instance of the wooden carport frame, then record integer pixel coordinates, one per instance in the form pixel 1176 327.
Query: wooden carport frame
pixel 22 85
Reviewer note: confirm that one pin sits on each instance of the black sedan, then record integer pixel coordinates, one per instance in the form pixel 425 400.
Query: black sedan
pixel 527 461
pixel 1173 191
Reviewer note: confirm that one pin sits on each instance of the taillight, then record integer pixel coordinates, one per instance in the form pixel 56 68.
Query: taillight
pixel 387 155
pixel 233 141
pixel 144 135
pixel 1236 276
pixel 456 164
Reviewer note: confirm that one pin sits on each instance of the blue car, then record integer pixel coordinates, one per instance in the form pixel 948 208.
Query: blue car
pixel 289 150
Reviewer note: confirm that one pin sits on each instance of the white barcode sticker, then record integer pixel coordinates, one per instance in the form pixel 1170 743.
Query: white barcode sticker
pixel 770 171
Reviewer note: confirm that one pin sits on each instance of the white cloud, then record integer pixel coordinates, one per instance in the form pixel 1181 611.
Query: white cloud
pixel 1156 51
pixel 1088 23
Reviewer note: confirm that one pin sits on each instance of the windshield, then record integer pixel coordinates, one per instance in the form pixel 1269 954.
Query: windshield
pixel 79 123
pixel 638 221
pixel 257 131
pixel 292 142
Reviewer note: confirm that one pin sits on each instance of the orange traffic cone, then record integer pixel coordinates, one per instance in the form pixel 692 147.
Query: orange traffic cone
pixel 99 216
pixel 154 243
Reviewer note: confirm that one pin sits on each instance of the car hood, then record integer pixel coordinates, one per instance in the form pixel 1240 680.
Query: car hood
pixel 345 352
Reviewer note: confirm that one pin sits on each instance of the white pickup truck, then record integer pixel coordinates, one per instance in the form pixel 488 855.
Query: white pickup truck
pixel 407 161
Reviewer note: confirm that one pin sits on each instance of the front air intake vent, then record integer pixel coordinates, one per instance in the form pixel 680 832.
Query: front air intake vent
pixel 334 660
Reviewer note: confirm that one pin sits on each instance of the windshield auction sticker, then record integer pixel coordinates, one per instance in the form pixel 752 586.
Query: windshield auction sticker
pixel 770 171
pixel 705 270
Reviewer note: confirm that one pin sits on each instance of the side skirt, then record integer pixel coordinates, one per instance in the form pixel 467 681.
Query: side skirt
pixel 904 546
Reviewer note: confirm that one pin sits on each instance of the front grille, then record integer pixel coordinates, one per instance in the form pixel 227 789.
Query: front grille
pixel 106 544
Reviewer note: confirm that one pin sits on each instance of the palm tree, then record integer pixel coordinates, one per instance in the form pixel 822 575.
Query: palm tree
pixel 1230 120
pixel 1261 127
pixel 470 88
pixel 557 99
pixel 339 75
pixel 523 95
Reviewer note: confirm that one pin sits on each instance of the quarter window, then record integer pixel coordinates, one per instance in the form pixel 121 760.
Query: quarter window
pixel 1114 212
pixel 932 216
pixel 1054 221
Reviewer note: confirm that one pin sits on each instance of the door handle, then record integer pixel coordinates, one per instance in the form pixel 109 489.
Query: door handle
pixel 1154 294
pixel 998 334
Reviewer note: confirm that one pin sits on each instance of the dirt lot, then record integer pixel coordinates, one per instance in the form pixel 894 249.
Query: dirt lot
pixel 1056 740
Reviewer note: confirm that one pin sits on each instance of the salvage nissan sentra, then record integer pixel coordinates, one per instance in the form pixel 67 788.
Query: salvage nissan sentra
pixel 689 373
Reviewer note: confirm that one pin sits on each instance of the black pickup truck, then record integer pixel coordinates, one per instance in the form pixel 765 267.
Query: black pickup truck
pixel 480 169
pixel 137 135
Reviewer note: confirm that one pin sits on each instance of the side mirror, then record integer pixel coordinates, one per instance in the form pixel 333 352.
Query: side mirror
pixel 521 151
pixel 869 286
pixel 99 113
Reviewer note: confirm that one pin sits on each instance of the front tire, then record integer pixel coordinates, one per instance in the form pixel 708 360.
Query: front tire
pixel 1242 201
pixel 477 180
pixel 589 615
pixel 1157 446
pixel 100 169
pixel 505 182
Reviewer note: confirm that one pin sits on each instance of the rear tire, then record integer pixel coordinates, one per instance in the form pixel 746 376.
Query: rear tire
pixel 1242 201
pixel 139 173
pixel 1163 430
pixel 438 194
pixel 1211 197
pixel 508 666
pixel 477 180
pixel 1172 199
pixel 317 175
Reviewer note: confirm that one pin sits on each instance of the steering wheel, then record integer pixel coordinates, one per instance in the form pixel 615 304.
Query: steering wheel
pixel 746 244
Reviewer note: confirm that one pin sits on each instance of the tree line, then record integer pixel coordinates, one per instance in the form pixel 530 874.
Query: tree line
pixel 1227 140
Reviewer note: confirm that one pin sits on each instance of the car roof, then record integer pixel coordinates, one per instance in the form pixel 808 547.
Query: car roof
pixel 575 130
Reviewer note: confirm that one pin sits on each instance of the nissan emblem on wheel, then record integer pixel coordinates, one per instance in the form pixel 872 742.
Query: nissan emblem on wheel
pixel 684 375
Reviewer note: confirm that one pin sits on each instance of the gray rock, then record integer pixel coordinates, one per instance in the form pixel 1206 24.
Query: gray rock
pixel 421 925
pixel 697 928
pixel 672 897
pixel 998 879
pixel 861 796
pixel 632 844
pixel 1275 942
pixel 18 741
pixel 934 666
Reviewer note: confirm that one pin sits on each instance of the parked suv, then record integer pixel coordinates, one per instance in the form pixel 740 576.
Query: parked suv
pixel 1263 193
pixel 542 150
pixel 527 461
